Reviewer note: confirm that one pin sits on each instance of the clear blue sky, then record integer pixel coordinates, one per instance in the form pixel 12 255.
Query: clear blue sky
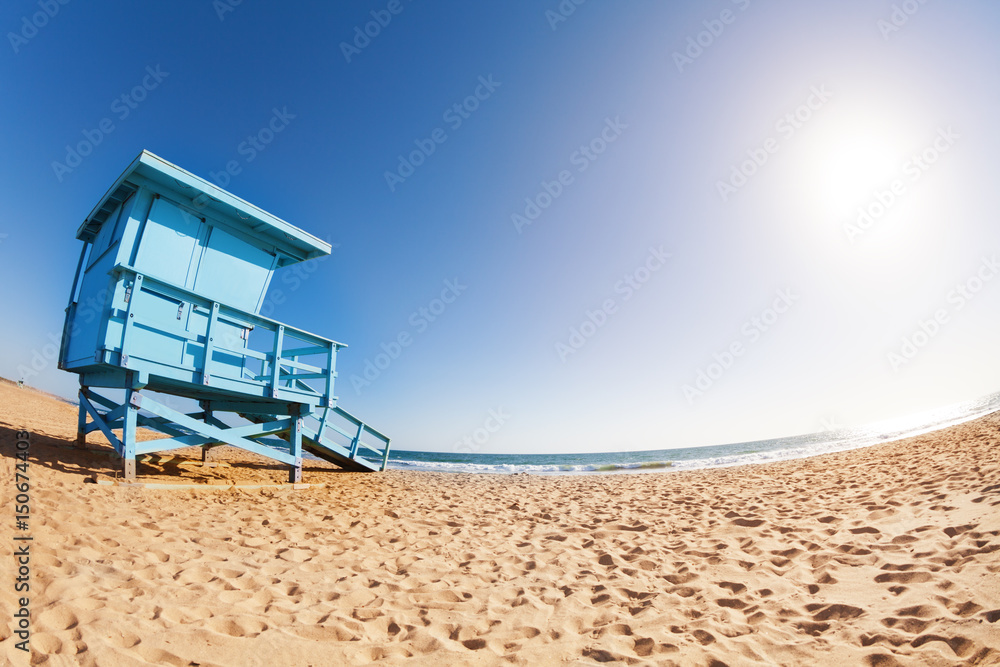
pixel 745 158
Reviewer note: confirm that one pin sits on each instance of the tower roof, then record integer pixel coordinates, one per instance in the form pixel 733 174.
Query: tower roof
pixel 294 244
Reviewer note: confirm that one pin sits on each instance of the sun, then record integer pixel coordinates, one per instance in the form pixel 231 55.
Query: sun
pixel 850 159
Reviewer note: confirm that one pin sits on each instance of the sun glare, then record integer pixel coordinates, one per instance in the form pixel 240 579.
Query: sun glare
pixel 850 161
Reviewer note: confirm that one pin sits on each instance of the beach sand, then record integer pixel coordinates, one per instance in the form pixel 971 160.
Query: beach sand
pixel 883 556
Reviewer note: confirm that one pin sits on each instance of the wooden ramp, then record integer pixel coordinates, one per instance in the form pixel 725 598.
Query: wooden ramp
pixel 340 438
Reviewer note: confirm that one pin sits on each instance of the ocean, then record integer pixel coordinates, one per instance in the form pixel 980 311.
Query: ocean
pixel 693 458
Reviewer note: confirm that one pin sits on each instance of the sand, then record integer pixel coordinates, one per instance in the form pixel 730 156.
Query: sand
pixel 884 556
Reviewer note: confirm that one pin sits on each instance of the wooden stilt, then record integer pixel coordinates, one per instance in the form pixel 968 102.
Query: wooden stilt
pixel 206 450
pixel 129 420
pixel 81 425
pixel 295 449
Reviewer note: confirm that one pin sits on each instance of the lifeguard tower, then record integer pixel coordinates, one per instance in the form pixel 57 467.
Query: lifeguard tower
pixel 167 298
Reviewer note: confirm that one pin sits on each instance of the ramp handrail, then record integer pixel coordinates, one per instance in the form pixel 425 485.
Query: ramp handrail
pixel 357 439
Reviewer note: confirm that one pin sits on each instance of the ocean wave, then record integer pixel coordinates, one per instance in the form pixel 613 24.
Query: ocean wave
pixel 539 468
pixel 736 454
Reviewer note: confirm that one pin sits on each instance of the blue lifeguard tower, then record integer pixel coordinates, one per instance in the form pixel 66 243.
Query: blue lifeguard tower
pixel 167 300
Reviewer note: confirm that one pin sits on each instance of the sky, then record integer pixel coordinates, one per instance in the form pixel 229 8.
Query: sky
pixel 598 226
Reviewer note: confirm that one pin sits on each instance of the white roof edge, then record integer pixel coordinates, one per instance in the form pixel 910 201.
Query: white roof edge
pixel 151 166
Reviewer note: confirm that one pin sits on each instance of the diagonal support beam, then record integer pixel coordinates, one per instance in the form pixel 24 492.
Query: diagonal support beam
pixel 161 425
pixel 100 400
pixel 212 433
pixel 197 439
pixel 101 424
pixel 116 414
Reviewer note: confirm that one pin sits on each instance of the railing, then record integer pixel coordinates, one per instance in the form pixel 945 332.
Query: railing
pixel 318 429
pixel 354 434
pixel 181 335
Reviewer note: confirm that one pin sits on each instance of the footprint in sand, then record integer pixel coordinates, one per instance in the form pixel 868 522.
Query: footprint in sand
pixel 787 553
pixel 57 618
pixel 812 628
pixel 894 567
pixel 231 597
pixel 644 646
pixel 332 631
pixel 952 531
pixel 918 611
pixel 295 555
pixel 195 575
pixel 913 626
pixel 237 627
pixel 704 637
pixel 683 591
pixel 960 646
pixel 903 577
pixel 731 603
pixel 124 639
pixel 734 587
pixel 833 612
pixel 184 615
pixel 749 523
pixel 155 656
pixel 44 643
pixel 681 578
